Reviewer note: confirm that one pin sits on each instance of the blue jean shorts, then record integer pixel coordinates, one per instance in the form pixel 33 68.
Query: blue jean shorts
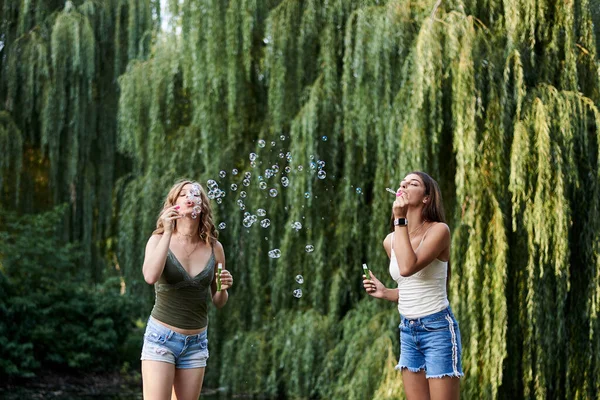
pixel 431 344
pixel 163 344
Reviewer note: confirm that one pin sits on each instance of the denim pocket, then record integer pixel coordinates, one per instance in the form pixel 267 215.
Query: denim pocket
pixel 438 325
pixel 156 337
pixel 203 344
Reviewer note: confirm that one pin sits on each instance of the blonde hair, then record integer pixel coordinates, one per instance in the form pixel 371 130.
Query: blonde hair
pixel 206 227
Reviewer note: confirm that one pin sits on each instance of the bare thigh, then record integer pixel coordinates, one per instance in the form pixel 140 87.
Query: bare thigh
pixel 446 388
pixel 157 378
pixel 415 385
pixel 188 383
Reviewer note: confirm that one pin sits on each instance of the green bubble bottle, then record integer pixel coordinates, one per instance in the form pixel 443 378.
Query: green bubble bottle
pixel 219 269
pixel 366 271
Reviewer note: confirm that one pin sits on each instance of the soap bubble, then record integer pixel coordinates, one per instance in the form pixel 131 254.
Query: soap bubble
pixel 248 221
pixel 265 223
pixel 273 192
pixel 297 293
pixel 261 212
pixel 246 182
pixel 262 185
pixel 296 225
pixel 300 168
pixel 281 155
pixel 307 195
pixel 253 156
pixel 282 137
pixel 310 248
pixel 313 165
pixel 261 143
pixel 273 144
pixel 222 174
pixel 222 225
pixel 219 201
pixel 324 138
pixel 285 181
pixel 358 190
pixel 321 164
pixel 253 164
pixel 234 171
pixel 233 187
pixel 321 174
pixel 300 279
pixel 288 169
pixel 248 175
pixel 211 183
pixel 243 194
pixel 269 173
pixel 275 168
pixel 275 253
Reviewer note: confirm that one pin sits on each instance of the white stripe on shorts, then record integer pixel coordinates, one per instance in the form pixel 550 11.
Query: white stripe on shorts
pixel 454 345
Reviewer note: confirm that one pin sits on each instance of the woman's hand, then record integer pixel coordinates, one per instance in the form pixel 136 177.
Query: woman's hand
pixel 373 286
pixel 400 206
pixel 168 216
pixel 226 279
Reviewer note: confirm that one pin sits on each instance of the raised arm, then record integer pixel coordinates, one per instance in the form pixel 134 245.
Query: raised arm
pixel 436 241
pixel 158 246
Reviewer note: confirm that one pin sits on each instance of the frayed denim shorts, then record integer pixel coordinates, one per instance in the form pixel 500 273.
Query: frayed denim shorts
pixel 431 344
pixel 163 344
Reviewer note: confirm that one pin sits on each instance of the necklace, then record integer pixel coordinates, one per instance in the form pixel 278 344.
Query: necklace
pixel 416 229
pixel 187 255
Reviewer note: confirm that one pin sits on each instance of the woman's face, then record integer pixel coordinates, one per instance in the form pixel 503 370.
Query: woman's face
pixel 189 200
pixel 412 189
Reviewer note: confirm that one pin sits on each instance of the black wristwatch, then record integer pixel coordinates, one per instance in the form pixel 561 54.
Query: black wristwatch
pixel 401 222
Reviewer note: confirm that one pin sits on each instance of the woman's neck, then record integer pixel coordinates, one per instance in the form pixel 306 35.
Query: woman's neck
pixel 415 218
pixel 187 228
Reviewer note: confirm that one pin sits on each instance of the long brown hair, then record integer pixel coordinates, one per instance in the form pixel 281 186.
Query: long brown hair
pixel 206 228
pixel 434 208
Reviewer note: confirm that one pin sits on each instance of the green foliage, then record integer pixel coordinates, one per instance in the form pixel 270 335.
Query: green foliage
pixel 497 100
pixel 50 317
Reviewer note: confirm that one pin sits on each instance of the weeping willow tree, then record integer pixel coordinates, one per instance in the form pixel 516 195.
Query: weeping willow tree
pixel 59 65
pixel 303 113
pixel 497 100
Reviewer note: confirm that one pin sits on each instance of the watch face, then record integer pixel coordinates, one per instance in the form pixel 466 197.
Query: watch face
pixel 401 222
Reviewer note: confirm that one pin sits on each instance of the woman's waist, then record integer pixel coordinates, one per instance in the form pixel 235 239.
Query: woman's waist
pixel 186 332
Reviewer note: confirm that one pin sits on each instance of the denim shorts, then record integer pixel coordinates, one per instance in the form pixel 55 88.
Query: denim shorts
pixel 431 344
pixel 163 344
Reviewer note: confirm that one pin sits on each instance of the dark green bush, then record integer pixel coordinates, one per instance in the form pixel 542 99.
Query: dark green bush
pixel 51 316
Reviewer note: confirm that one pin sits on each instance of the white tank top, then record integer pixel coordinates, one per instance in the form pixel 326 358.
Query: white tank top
pixel 422 293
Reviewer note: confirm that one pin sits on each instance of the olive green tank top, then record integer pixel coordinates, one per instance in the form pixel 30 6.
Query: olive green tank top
pixel 182 301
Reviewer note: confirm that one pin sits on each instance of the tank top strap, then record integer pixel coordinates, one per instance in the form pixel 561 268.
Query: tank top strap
pixel 425 234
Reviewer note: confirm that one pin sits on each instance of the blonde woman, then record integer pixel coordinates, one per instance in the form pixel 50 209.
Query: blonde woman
pixel 419 251
pixel 181 262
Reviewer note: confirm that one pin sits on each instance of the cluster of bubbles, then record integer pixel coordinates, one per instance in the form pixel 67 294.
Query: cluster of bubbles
pixel 214 192
pixel 298 292
pixel 194 196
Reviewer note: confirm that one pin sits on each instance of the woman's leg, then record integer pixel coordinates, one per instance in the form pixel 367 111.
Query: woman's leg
pixel 446 388
pixel 415 385
pixel 188 383
pixel 157 378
